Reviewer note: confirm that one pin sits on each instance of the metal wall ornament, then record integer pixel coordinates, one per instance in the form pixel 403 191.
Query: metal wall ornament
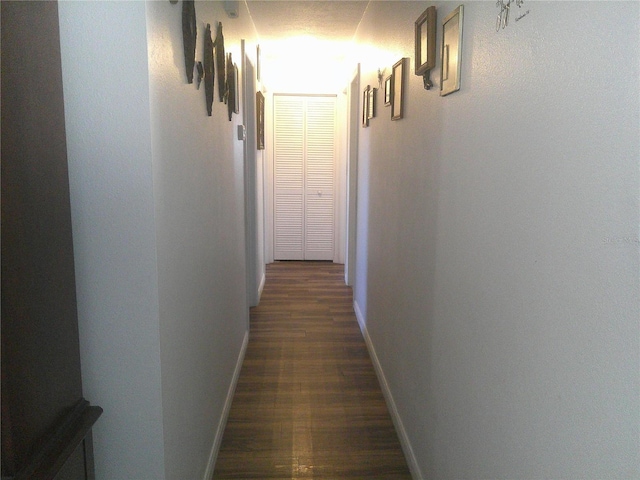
pixel 502 19
pixel 236 105
pixel 189 34
pixel 231 93
pixel 425 45
pixel 209 69
pixel 220 63
pixel 451 54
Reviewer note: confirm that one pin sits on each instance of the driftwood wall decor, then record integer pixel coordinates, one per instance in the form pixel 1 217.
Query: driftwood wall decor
pixel 189 33
pixel 209 68
pixel 231 86
pixel 220 62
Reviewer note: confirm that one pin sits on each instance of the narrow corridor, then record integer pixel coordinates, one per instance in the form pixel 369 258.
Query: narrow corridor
pixel 308 403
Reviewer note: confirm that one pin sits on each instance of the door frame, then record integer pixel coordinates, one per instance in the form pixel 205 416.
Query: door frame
pixel 353 128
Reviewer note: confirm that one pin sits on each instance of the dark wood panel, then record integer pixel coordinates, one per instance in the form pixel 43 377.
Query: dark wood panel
pixel 308 403
pixel 41 378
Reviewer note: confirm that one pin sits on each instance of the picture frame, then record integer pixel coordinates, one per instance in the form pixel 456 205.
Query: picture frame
pixel 260 120
pixel 372 102
pixel 451 53
pixel 425 41
pixel 387 91
pixel 365 106
pixel 397 87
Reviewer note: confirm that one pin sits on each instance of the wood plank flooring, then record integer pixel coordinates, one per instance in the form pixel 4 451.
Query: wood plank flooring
pixel 308 403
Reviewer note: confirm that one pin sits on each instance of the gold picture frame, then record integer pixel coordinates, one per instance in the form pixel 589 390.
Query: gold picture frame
pixel 372 102
pixel 425 44
pixel 397 89
pixel 365 106
pixel 451 53
pixel 387 91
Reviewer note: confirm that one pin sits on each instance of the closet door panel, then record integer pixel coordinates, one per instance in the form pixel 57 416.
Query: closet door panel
pixel 320 178
pixel 289 178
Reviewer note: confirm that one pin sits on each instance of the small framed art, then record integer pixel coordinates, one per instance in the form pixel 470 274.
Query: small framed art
pixel 397 87
pixel 451 52
pixel 387 91
pixel 372 102
pixel 425 42
pixel 365 106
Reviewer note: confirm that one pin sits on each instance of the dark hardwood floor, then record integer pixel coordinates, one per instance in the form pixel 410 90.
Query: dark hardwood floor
pixel 308 403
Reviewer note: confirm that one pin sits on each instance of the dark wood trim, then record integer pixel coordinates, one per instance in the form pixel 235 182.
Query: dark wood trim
pixel 69 435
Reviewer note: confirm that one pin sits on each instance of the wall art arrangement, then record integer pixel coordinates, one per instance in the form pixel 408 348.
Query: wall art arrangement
pixel 260 119
pixel 397 87
pixel 214 61
pixel 426 59
pixel 425 45
pixel 451 52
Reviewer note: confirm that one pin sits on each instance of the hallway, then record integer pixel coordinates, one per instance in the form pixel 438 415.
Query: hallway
pixel 308 403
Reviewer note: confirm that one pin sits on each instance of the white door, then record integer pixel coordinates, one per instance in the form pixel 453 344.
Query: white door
pixel 304 161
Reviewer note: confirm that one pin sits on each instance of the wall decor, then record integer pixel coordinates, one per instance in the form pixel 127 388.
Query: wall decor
pixel 189 33
pixel 232 93
pixel 397 87
pixel 425 45
pixel 387 91
pixel 220 63
pixel 451 52
pixel 365 106
pixel 260 119
pixel 236 105
pixel 502 20
pixel 209 69
pixel 200 70
pixel 372 102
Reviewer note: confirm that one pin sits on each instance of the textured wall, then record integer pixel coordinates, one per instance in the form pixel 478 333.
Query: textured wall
pixel 498 275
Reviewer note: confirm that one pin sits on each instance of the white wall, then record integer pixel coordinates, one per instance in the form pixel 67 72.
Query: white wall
pixel 106 93
pixel 199 205
pixel 158 217
pixel 498 243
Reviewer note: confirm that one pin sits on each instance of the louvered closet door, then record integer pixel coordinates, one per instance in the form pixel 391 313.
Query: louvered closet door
pixel 304 157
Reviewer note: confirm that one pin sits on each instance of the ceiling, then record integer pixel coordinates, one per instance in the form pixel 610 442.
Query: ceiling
pixel 324 20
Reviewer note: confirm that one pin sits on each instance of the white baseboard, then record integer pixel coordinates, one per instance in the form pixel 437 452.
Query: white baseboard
pixel 208 473
pixel 416 474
